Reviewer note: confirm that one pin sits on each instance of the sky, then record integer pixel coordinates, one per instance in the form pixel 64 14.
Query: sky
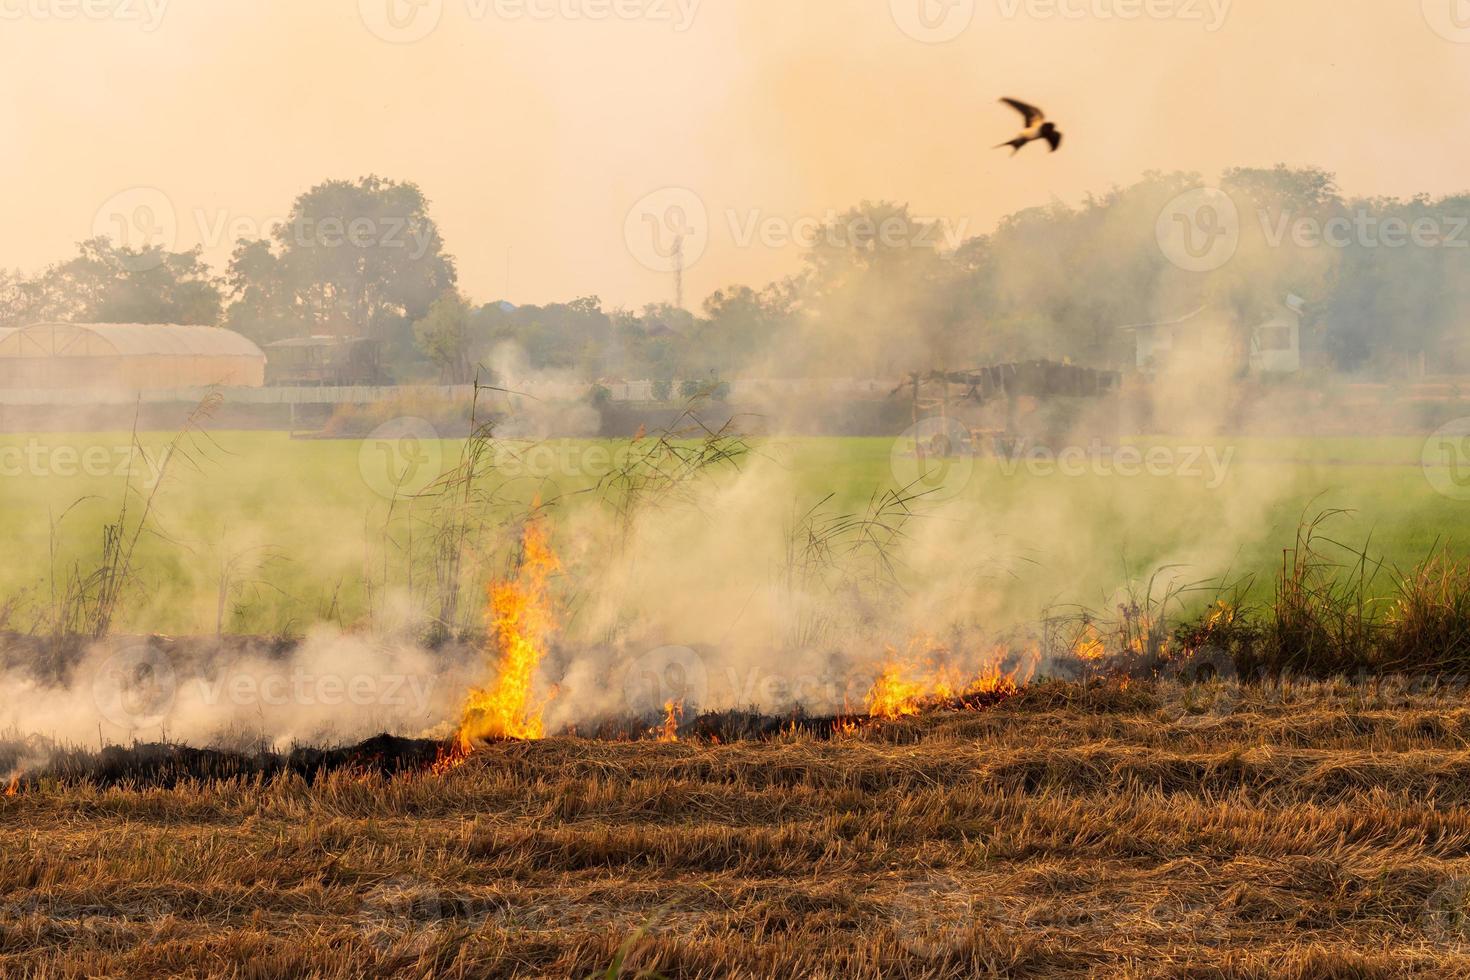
pixel 561 143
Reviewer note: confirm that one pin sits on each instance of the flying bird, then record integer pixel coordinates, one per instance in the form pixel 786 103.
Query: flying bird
pixel 1037 128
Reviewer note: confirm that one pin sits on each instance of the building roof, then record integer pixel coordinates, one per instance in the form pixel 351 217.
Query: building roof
pixel 316 340
pixel 124 340
pixel 1292 304
pixel 1164 323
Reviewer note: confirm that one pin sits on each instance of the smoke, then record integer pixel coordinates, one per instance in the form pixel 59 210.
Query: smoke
pixel 786 581
pixel 538 404
pixel 789 580
pixel 331 687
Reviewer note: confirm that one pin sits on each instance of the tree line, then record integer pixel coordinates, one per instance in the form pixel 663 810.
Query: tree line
pixel 1382 280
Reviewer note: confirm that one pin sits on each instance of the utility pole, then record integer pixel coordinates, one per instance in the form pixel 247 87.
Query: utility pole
pixel 678 272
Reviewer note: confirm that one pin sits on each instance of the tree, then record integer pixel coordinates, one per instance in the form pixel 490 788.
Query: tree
pixel 1394 304
pixel 1269 262
pixel 443 336
pixel 1302 190
pixel 742 326
pixel 264 307
pixel 108 283
pixel 352 258
pixel 21 299
pixel 1058 281
pixel 568 336
pixel 869 293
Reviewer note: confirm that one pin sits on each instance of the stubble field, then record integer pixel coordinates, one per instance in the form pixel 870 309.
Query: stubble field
pixel 1317 829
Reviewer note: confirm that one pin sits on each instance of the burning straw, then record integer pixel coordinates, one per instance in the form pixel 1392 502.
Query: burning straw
pixel 521 624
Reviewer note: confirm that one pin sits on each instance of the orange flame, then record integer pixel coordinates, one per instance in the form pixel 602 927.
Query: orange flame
pixel 895 696
pixel 521 624
pixel 14 788
pixel 1089 646
pixel 451 758
pixel 673 714
pixel 911 684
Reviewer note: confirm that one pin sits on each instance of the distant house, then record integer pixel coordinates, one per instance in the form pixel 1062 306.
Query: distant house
pixel 324 360
pixel 1276 344
pixel 127 357
pixel 1271 347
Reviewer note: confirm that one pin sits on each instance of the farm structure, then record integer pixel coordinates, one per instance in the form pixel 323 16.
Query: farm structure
pixel 1272 346
pixel 126 356
pixel 324 360
pixel 997 408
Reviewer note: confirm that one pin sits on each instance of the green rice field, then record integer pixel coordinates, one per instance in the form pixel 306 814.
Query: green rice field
pixel 259 532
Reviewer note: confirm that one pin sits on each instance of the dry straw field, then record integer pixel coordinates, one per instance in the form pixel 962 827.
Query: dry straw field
pixel 1113 829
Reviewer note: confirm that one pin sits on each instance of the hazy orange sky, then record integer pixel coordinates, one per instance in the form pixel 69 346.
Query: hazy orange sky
pixel 536 126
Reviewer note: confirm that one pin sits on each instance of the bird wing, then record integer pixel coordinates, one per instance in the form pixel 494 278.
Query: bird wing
pixel 1055 139
pixel 1032 114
